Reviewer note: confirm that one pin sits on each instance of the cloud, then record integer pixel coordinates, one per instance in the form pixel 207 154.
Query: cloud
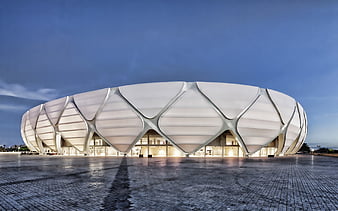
pixel 19 91
pixel 8 107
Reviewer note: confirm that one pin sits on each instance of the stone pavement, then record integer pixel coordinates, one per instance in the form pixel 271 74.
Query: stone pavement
pixel 106 183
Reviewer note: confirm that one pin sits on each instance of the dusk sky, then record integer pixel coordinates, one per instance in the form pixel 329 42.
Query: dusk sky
pixel 54 48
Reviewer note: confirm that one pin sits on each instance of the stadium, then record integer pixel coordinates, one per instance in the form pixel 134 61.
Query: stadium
pixel 168 119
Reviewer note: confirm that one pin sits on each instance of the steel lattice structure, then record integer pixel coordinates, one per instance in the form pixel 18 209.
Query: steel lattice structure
pixel 188 114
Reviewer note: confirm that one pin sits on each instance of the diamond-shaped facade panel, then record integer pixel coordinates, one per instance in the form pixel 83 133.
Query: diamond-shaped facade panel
pixel 231 99
pixel 259 125
pixel 296 146
pixel 305 127
pixel 300 140
pixel 292 131
pixel 154 98
pixel 23 123
pixel 30 134
pixel 45 131
pixel 73 127
pixel 118 123
pixel 303 140
pixel 191 121
pixel 303 132
pixel 284 104
pixel 301 114
pixel 33 115
pixel 89 102
pixel 54 109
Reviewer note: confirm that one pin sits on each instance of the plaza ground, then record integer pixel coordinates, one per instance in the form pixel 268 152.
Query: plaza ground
pixel 104 183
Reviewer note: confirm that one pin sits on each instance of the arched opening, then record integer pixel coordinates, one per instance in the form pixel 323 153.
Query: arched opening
pixel 153 144
pixel 268 150
pixel 99 147
pixel 225 145
pixel 47 149
pixel 67 148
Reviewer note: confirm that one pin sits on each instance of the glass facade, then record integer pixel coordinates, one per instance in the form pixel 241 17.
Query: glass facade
pixel 154 145
pixel 98 147
pixel 268 150
pixel 224 145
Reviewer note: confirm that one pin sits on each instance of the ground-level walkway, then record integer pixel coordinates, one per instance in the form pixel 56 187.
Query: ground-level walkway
pixel 106 183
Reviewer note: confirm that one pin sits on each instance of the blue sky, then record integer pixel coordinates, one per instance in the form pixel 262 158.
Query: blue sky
pixel 54 48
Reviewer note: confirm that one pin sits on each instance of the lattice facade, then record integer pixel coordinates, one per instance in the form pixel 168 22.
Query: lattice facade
pixel 189 115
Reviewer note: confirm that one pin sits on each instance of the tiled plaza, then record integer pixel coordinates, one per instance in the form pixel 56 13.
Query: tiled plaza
pixel 106 183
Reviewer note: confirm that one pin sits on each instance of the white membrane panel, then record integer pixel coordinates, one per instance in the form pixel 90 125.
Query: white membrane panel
pixel 72 127
pixel 300 145
pixel 284 104
pixel 54 109
pixel 45 130
pixel 253 148
pixel 89 102
pixel 191 121
pixel 231 99
pixel 304 137
pixel 305 125
pixel 30 135
pixel 303 134
pixel 300 140
pixel 259 125
pixel 118 123
pixel 33 115
pixel 150 98
pixel 23 122
pixel 301 114
pixel 23 134
pixel 292 131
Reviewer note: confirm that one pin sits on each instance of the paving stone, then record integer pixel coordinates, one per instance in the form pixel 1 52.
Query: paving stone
pixel 286 183
pixel 89 183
